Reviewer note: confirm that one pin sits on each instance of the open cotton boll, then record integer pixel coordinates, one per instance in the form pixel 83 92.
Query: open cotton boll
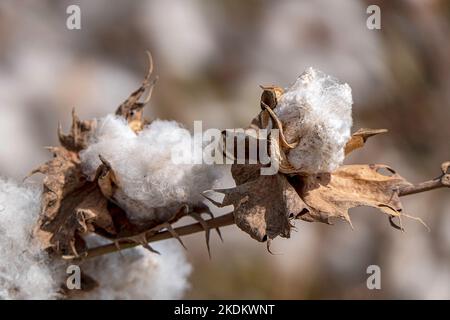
pixel 139 274
pixel 144 165
pixel 316 111
pixel 25 271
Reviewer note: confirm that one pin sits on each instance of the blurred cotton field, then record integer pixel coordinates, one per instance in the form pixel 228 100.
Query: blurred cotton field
pixel 211 57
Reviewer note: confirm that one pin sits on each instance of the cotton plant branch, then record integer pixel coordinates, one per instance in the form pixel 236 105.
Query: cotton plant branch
pixel 443 181
pixel 218 222
pixel 89 189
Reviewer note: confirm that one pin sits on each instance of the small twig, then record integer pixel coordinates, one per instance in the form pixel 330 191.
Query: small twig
pixel 424 186
pixel 222 221
pixel 440 182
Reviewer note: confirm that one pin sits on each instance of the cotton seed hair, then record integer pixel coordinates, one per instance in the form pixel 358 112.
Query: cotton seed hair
pixel 316 112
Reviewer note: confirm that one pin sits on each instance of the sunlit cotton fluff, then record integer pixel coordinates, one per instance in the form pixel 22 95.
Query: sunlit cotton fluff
pixel 316 111
pixel 25 271
pixel 144 164
pixel 139 274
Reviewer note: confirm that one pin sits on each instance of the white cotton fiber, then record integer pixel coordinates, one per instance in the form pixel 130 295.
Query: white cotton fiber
pixel 144 165
pixel 140 274
pixel 316 111
pixel 25 271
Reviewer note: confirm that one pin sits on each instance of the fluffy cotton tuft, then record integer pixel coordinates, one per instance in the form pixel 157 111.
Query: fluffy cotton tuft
pixel 25 272
pixel 139 274
pixel 317 111
pixel 144 165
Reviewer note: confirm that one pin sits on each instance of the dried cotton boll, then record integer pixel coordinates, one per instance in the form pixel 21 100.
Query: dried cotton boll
pixel 139 274
pixel 25 271
pixel 144 166
pixel 316 111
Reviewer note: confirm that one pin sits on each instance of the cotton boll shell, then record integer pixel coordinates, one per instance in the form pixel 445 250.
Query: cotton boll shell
pixel 316 112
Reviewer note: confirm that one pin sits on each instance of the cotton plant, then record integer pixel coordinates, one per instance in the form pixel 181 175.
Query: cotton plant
pixel 314 120
pixel 112 186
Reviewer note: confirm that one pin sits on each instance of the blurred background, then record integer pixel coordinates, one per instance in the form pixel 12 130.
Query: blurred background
pixel 211 57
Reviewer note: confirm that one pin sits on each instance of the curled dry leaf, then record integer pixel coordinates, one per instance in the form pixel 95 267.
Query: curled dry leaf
pixel 269 99
pixel 264 205
pixel 262 212
pixel 79 134
pixel 132 109
pixel 71 205
pixel 331 195
pixel 62 178
pixel 359 138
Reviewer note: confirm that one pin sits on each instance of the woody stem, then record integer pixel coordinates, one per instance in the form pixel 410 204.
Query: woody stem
pixel 222 221
pixel 228 219
pixel 437 183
